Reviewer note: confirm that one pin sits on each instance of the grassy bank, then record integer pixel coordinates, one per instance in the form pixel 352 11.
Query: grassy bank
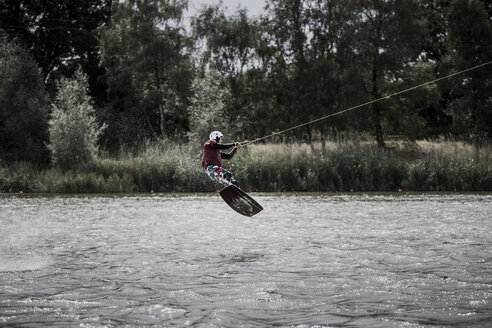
pixel 357 166
pixel 157 168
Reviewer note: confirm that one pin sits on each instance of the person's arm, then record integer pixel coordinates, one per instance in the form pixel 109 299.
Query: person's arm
pixel 223 146
pixel 230 155
pixel 237 145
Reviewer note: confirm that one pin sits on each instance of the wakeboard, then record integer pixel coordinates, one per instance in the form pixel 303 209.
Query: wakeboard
pixel 239 201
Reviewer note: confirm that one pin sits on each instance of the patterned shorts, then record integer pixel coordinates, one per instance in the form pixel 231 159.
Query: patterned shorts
pixel 220 175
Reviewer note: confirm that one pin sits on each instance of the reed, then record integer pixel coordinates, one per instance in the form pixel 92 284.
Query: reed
pixel 349 167
pixel 343 167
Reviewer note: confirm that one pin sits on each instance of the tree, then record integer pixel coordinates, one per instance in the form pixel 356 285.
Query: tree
pixel 285 27
pixel 23 107
pixel 470 37
pixel 228 47
pixel 228 42
pixel 435 45
pixel 207 106
pixel 61 35
pixel 143 50
pixel 387 44
pixel 329 78
pixel 73 129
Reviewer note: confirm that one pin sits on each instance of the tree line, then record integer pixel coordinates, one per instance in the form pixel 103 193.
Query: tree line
pixel 136 70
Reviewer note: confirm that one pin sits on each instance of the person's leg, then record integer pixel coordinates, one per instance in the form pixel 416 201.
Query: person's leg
pixel 216 173
pixel 221 175
pixel 228 176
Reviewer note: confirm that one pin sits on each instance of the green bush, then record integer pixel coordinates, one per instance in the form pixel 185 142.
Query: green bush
pixel 349 167
pixel 73 129
pixel 23 107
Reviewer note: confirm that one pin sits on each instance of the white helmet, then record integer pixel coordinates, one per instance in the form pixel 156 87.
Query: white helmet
pixel 215 135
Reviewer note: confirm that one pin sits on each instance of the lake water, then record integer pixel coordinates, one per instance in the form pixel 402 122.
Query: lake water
pixel 306 261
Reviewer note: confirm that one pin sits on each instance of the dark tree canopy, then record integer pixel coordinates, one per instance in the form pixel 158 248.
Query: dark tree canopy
pixel 297 61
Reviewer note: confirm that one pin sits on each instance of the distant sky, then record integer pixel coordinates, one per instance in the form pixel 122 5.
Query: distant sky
pixel 254 7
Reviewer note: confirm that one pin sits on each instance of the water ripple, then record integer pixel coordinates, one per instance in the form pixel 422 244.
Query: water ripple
pixel 305 261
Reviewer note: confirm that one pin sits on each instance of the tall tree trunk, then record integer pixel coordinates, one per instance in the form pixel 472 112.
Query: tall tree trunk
pixel 154 134
pixel 323 143
pixel 162 121
pixel 310 139
pixel 378 131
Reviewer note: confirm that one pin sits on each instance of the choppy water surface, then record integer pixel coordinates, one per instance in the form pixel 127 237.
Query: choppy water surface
pixel 305 261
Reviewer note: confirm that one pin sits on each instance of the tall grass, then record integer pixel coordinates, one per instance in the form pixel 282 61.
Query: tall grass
pixel 344 166
pixel 157 168
pixel 348 167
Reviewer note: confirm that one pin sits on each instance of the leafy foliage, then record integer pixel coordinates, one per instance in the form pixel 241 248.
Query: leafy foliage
pixel 149 70
pixel 470 37
pixel 74 131
pixel 297 61
pixel 23 107
pixel 349 167
pixel 207 107
pixel 61 35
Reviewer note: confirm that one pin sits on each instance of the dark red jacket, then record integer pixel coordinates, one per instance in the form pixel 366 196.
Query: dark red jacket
pixel 212 154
